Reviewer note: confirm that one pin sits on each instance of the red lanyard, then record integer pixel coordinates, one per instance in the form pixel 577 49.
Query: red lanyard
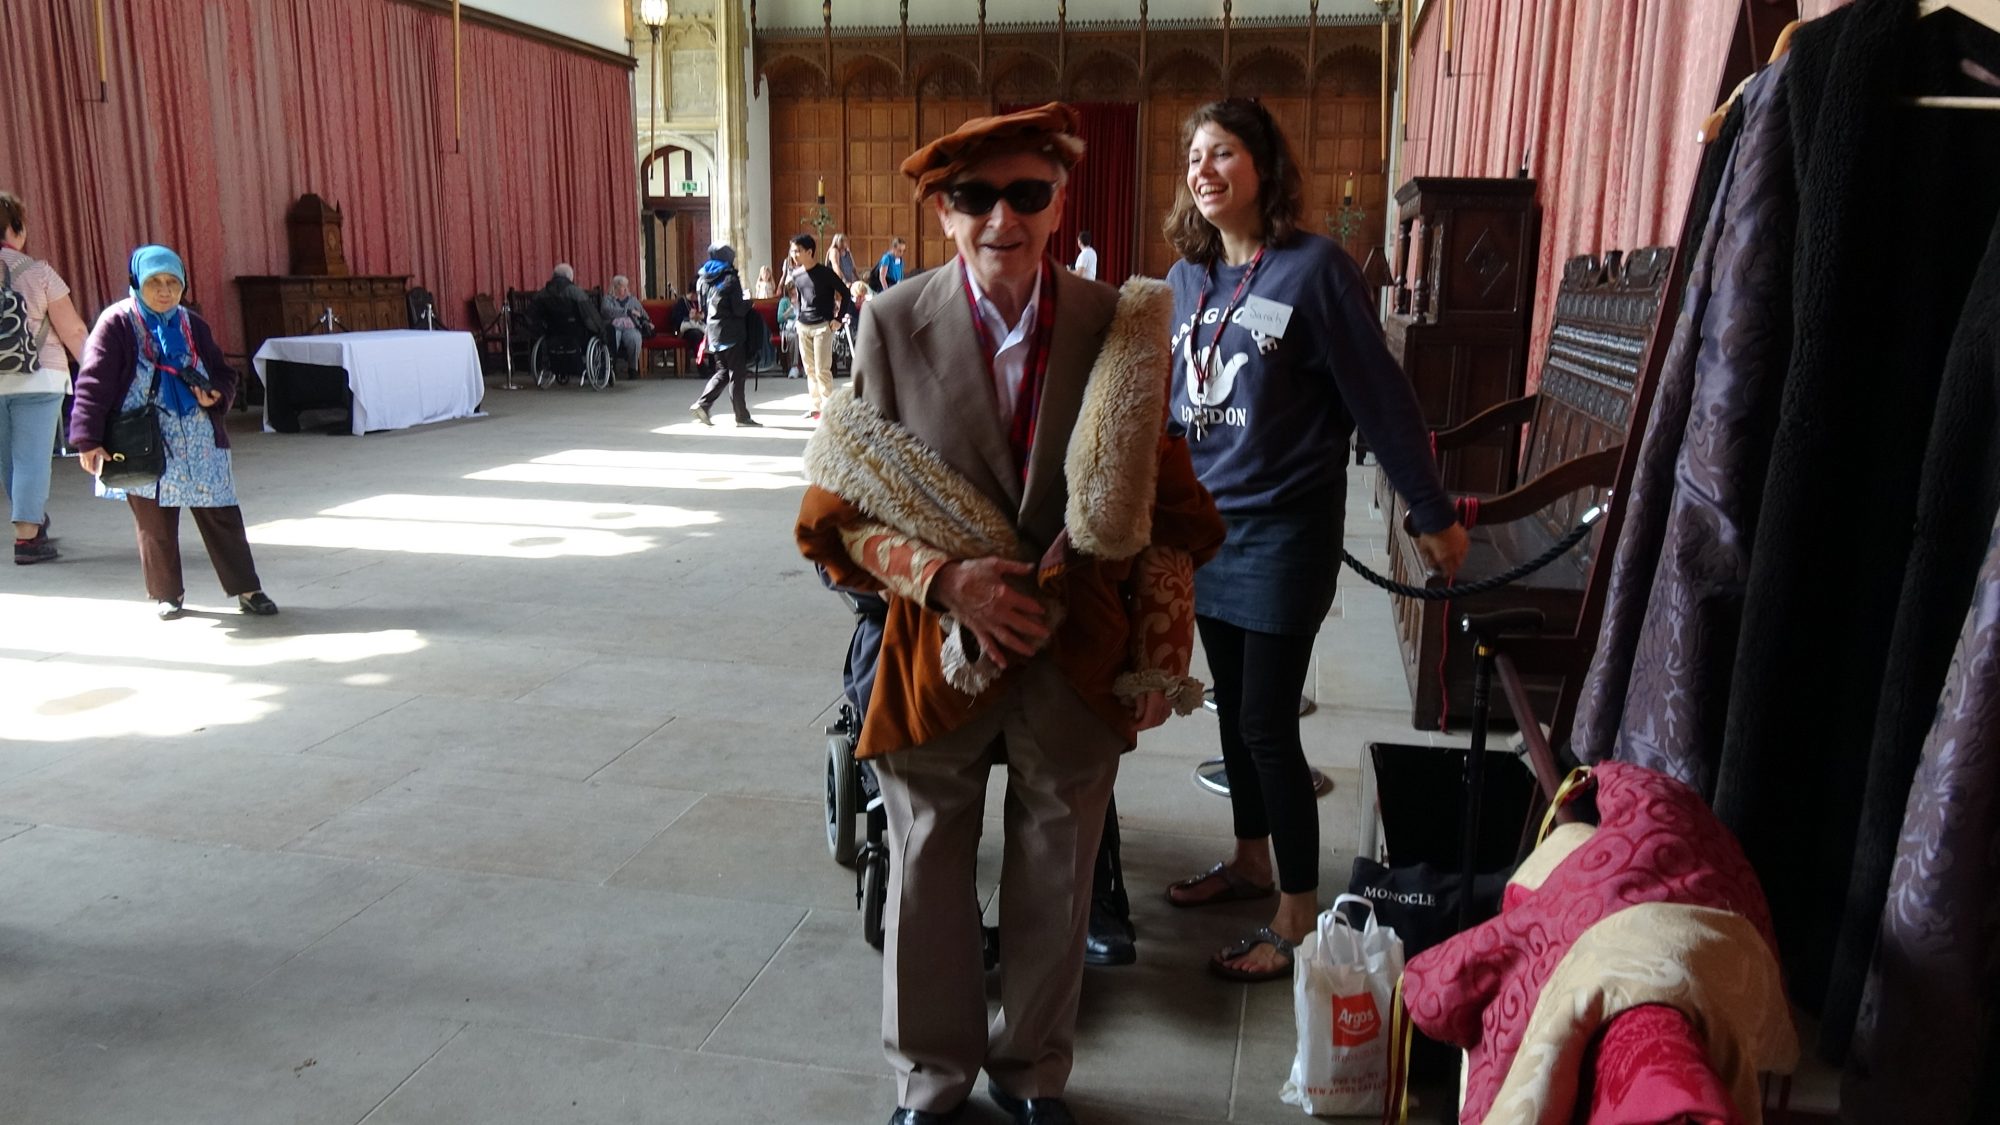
pixel 1028 403
pixel 1228 310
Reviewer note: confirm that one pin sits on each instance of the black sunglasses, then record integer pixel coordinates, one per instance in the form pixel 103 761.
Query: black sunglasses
pixel 1024 197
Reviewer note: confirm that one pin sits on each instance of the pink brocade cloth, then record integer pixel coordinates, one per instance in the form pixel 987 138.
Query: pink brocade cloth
pixel 1656 842
pixel 1651 1068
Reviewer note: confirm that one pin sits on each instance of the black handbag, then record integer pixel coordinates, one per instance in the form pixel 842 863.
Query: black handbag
pixel 135 450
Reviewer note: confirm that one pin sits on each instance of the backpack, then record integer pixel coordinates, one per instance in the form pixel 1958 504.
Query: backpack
pixel 20 351
pixel 875 277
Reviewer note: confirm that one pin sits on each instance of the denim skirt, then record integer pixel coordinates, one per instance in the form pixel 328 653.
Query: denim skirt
pixel 1276 572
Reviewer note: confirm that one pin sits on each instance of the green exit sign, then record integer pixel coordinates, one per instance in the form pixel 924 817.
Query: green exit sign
pixel 690 187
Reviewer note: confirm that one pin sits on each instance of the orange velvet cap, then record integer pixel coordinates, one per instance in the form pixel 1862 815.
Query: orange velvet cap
pixel 1050 130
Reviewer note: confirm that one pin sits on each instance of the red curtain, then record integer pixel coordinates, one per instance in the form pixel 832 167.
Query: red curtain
pixel 1601 101
pixel 217 114
pixel 1102 189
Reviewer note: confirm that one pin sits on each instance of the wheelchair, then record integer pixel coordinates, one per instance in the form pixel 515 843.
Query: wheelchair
pixel 852 790
pixel 843 352
pixel 565 349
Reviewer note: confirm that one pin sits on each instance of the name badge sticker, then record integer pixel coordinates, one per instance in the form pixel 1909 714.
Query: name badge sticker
pixel 1261 314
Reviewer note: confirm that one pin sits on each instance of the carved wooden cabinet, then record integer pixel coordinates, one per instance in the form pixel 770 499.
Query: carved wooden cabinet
pixel 1466 256
pixel 293 306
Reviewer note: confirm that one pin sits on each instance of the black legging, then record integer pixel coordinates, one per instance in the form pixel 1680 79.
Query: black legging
pixel 1258 680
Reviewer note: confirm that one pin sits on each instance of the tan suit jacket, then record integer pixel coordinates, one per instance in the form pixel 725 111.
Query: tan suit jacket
pixel 939 386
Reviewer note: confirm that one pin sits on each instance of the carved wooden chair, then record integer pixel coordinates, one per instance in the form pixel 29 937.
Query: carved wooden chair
pixel 422 308
pixel 1609 319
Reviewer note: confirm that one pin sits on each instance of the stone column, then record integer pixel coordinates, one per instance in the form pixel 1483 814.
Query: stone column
pixel 730 201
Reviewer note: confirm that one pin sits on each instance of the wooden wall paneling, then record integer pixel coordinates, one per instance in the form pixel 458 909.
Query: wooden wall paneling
pixel 1346 139
pixel 878 137
pixel 913 230
pixel 843 216
pixel 1166 170
pixel 1143 232
pixel 893 94
pixel 805 145
pixel 938 116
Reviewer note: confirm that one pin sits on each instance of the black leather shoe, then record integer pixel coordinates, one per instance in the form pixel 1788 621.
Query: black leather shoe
pixel 907 1116
pixel 1109 941
pixel 1031 1111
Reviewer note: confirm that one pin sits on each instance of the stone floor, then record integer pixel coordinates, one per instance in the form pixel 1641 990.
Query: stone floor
pixel 514 814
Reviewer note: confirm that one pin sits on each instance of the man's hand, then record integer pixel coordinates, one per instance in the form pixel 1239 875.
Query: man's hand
pixel 206 397
pixel 1152 709
pixel 1002 618
pixel 1444 551
pixel 92 460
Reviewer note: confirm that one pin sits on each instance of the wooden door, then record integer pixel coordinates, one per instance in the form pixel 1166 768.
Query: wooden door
pixel 880 133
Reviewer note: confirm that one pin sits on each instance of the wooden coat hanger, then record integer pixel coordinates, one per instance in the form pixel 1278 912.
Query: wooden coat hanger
pixel 1712 125
pixel 1986 13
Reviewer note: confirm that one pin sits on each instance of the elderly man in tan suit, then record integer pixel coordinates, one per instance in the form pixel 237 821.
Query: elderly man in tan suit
pixel 1005 473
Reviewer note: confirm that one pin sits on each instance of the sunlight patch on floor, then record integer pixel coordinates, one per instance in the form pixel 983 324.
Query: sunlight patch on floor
pixel 507 510
pixel 61 701
pixel 703 461
pixel 639 468
pixel 776 427
pixel 431 537
pixel 123 630
pixel 705 480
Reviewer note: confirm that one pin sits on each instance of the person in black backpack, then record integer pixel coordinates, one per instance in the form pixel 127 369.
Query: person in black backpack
pixel 720 300
pixel 37 323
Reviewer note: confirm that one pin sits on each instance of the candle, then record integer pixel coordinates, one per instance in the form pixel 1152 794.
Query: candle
pixel 822 190
pixel 1348 196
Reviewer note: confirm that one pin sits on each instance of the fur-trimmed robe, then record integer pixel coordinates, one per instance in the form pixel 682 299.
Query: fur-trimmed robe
pixel 888 508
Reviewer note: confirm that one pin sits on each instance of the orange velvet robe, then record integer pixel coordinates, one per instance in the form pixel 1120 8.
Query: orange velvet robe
pixel 1107 627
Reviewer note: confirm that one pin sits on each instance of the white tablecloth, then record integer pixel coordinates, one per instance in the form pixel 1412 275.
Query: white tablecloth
pixel 399 378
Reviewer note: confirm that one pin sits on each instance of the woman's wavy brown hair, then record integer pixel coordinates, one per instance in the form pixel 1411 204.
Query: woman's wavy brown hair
pixel 1280 187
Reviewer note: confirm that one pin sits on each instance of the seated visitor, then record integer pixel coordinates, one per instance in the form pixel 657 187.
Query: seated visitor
pixel 629 323
pixel 564 307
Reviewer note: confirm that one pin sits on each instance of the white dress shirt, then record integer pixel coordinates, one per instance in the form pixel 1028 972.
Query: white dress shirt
pixel 1010 361
pixel 1086 262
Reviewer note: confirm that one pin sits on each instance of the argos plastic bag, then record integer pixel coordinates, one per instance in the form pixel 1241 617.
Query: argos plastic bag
pixel 1343 980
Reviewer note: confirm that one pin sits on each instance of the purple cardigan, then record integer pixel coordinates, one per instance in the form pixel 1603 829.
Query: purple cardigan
pixel 111 362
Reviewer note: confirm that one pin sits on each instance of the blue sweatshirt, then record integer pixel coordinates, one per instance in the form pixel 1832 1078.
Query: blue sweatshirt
pixel 1281 403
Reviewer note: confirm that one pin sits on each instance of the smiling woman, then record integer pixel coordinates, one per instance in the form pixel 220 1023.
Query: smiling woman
pixel 1275 334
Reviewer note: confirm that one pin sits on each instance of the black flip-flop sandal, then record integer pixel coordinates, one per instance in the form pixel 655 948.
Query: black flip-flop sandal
pixel 1219 964
pixel 1235 888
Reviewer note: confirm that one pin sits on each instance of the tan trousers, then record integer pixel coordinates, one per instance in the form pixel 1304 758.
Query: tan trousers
pixel 816 349
pixel 1061 763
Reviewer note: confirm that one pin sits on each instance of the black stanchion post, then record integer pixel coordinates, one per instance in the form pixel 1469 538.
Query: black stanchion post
pixel 1475 781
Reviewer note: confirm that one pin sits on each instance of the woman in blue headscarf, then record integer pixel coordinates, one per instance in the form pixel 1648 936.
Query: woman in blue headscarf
pixel 149 347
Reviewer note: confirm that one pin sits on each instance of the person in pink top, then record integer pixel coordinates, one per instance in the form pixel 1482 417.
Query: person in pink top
pixel 31 392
